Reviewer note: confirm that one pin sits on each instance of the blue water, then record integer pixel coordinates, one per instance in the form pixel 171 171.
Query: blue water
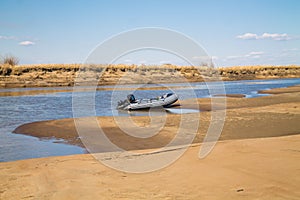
pixel 17 110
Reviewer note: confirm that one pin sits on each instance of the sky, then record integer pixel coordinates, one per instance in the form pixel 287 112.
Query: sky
pixel 232 32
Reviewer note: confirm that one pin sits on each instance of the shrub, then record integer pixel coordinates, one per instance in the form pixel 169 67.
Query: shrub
pixel 10 60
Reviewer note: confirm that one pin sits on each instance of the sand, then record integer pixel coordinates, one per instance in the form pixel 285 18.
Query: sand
pixel 291 89
pixel 248 162
pixel 266 168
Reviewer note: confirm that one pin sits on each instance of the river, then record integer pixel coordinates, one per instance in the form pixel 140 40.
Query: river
pixel 17 110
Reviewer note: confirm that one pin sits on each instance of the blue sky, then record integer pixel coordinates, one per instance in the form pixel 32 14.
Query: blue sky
pixel 233 32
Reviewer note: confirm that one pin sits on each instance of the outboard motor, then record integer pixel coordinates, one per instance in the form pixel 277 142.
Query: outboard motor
pixel 131 98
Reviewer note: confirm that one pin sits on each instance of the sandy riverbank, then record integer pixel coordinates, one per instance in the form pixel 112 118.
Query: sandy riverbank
pixel 275 115
pixel 264 167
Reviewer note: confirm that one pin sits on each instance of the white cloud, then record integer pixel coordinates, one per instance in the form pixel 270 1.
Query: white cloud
pixel 247 36
pixel 275 57
pixel 275 36
pixel 253 54
pixel 256 53
pixel 292 52
pixel 26 43
pixel 7 37
pixel 272 36
pixel 292 49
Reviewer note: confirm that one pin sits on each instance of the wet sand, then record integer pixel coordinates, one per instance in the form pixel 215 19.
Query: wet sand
pixel 291 89
pixel 248 162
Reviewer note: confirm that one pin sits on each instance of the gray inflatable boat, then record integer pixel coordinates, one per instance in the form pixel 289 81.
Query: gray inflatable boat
pixel 135 104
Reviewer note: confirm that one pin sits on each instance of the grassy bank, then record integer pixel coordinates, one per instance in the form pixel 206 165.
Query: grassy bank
pixel 48 75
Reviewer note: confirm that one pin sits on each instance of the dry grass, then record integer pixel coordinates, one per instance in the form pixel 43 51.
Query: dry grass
pixel 50 75
pixel 133 66
pixel 8 69
pixel 258 67
pixel 9 60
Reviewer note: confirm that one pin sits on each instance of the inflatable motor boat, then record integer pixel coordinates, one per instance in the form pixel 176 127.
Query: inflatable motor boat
pixel 135 104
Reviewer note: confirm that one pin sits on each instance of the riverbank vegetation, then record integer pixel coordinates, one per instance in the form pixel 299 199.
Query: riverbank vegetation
pixel 48 75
